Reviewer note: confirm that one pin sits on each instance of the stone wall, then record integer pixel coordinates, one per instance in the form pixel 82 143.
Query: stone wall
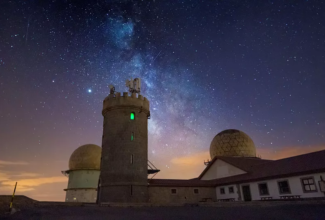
pixel 164 195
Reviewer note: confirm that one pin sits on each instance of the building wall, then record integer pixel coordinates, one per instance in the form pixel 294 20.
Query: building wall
pixel 163 195
pixel 227 195
pixel 83 179
pixel 81 195
pixel 221 169
pixel 123 177
pixel 295 185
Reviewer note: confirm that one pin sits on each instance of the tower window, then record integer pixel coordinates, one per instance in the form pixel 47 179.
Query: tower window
pixel 132 136
pixel 131 158
pixel 132 116
pixel 131 190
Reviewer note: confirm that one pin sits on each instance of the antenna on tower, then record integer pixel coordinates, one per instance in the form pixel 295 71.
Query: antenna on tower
pixel 111 89
pixel 134 85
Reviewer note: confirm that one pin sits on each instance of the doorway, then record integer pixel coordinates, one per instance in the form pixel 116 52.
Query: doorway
pixel 247 193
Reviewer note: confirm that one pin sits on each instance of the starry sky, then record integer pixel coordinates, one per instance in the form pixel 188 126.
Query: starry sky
pixel 206 66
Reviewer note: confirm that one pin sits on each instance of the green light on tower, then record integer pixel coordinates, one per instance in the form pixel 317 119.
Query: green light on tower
pixel 132 116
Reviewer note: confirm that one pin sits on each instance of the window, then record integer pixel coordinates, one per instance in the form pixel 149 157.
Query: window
pixel 284 187
pixel 231 189
pixel 131 158
pixel 222 190
pixel 132 136
pixel 308 184
pixel 132 116
pixel 196 191
pixel 262 187
pixel 173 191
pixel 131 190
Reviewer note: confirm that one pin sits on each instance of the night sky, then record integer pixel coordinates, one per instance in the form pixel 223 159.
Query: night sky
pixel 206 66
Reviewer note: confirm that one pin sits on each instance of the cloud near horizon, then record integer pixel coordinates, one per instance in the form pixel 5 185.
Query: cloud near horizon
pixel 7 182
pixel 6 163
pixel 267 153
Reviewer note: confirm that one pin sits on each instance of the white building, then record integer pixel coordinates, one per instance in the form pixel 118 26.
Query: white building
pixel 246 179
pixel 236 174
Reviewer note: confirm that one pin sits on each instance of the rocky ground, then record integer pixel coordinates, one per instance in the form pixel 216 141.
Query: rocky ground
pixel 262 210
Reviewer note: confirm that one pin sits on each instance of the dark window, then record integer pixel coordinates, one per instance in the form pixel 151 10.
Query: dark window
pixel 308 184
pixel 131 158
pixel 173 191
pixel 284 187
pixel 132 136
pixel 262 187
pixel 231 189
pixel 222 190
pixel 132 116
pixel 131 190
pixel 196 191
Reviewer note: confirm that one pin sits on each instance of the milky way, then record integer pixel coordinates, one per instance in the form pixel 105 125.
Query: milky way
pixel 206 66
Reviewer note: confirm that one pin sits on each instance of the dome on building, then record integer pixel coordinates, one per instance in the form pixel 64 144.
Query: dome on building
pixel 86 157
pixel 234 143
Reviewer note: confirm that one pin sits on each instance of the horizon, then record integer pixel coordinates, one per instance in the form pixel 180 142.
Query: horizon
pixel 205 66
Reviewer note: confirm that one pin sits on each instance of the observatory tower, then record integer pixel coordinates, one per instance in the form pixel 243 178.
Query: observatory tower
pixel 123 177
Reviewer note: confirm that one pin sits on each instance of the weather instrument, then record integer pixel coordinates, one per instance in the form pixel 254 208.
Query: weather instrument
pixel 111 89
pixel 134 85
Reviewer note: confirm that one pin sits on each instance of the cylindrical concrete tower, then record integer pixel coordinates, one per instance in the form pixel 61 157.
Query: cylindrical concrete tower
pixel 124 162
pixel 84 169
